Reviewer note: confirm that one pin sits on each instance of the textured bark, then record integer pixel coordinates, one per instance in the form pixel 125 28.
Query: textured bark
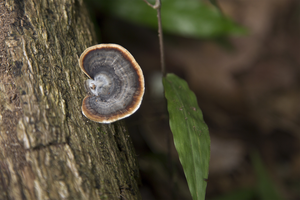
pixel 48 149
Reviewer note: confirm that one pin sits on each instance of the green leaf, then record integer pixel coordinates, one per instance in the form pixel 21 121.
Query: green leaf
pixel 190 133
pixel 265 186
pixel 192 18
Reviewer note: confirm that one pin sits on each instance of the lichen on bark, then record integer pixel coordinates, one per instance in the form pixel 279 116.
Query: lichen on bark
pixel 49 150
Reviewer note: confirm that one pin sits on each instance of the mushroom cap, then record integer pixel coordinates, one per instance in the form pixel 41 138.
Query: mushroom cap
pixel 116 84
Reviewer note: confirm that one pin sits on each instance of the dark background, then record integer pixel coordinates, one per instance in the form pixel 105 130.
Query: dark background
pixel 247 86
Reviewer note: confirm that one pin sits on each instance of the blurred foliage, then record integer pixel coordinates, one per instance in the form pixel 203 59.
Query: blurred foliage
pixel 215 3
pixel 190 133
pixel 265 187
pixel 264 190
pixel 191 18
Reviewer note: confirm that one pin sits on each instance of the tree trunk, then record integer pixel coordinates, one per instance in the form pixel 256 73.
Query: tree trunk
pixel 49 150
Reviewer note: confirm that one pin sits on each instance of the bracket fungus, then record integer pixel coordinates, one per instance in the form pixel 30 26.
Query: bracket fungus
pixel 116 85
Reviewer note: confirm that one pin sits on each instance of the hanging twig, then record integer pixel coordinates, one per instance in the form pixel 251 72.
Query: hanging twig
pixel 157 7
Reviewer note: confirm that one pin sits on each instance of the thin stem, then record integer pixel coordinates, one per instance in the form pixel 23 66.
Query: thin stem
pixel 161 44
pixel 157 7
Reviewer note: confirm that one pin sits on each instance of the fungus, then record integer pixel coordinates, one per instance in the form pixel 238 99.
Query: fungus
pixel 116 85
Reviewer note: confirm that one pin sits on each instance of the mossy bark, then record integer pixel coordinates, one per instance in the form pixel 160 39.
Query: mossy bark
pixel 48 149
